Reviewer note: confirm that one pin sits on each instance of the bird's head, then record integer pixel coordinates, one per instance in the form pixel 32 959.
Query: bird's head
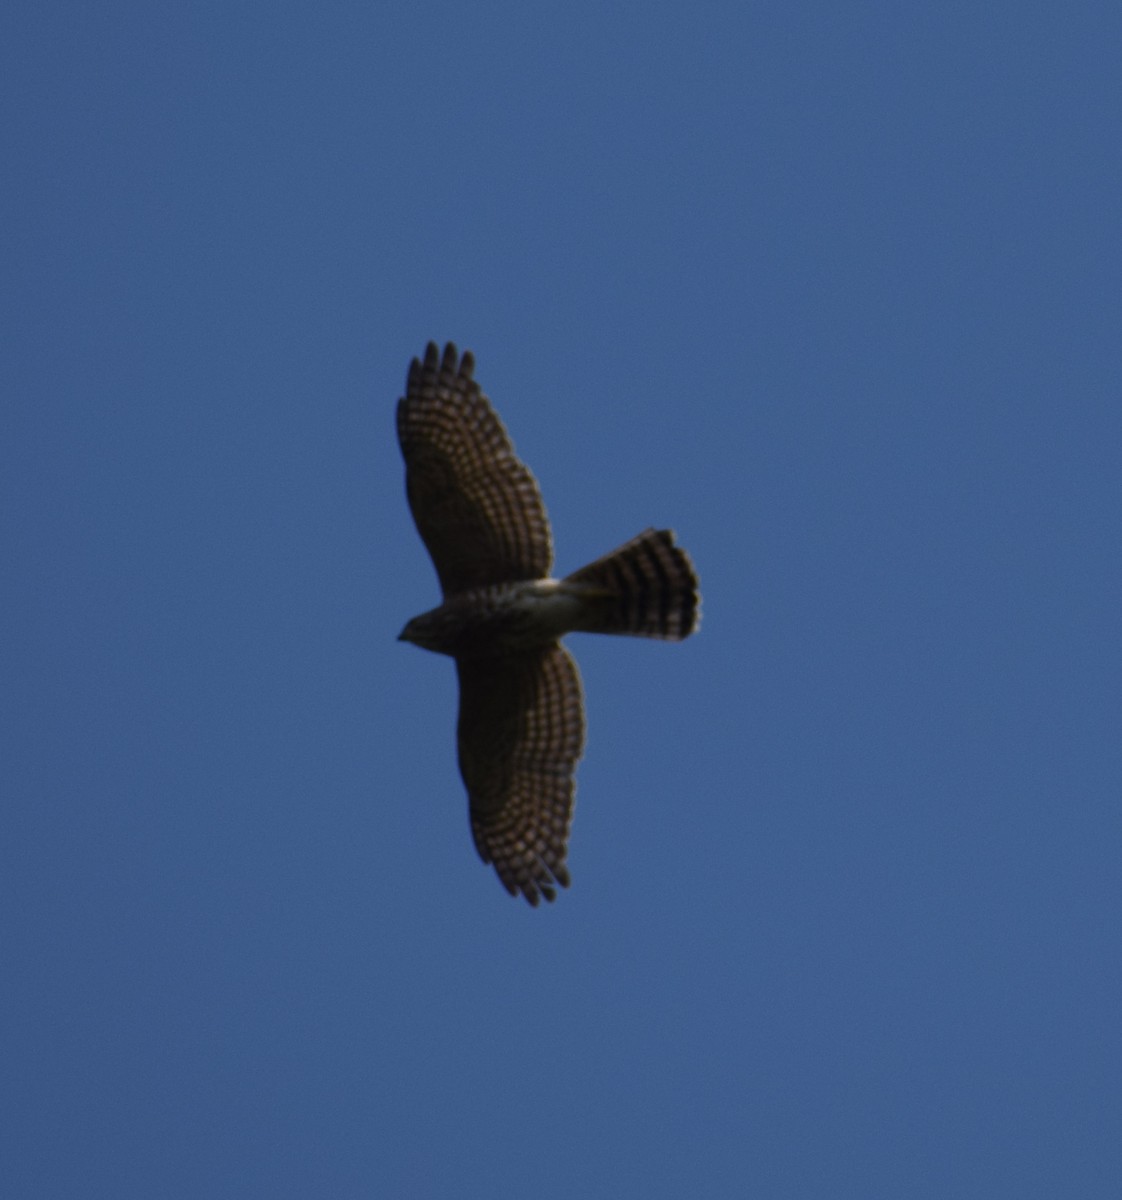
pixel 429 631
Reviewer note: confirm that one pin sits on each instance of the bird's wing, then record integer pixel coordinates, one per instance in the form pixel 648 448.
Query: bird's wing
pixel 476 505
pixel 520 736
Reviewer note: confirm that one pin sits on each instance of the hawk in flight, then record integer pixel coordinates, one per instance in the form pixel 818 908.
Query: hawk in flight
pixel 521 726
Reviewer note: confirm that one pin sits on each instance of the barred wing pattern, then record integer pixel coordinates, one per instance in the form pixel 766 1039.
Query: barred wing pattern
pixel 476 505
pixel 520 736
pixel 521 725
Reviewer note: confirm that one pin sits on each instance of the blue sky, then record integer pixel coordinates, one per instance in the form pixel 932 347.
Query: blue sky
pixel 833 291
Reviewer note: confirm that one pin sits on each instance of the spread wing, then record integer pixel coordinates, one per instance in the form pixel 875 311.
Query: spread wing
pixel 520 735
pixel 476 505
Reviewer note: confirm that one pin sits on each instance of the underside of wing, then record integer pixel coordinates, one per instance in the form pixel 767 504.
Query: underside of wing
pixel 476 504
pixel 520 736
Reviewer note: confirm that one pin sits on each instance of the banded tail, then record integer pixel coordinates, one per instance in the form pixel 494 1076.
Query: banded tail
pixel 647 588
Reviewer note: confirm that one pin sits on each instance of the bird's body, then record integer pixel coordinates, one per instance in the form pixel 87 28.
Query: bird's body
pixel 521 727
pixel 501 619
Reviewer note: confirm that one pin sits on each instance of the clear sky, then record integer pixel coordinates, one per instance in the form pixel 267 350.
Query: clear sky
pixel 834 290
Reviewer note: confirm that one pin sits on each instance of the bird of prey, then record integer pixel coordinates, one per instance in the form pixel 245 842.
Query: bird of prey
pixel 521 724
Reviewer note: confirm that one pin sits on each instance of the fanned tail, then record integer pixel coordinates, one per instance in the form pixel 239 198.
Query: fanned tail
pixel 647 588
